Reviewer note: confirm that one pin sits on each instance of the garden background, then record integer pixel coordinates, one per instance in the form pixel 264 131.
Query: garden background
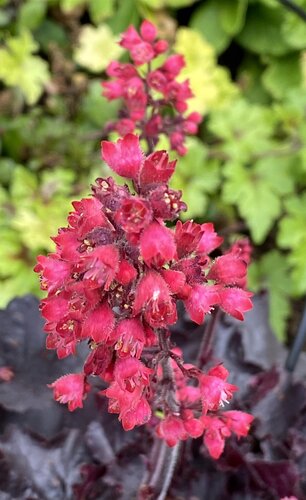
pixel 246 172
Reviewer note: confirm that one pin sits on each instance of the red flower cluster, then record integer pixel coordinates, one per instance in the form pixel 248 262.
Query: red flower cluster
pixel 154 101
pixel 114 281
pixel 199 406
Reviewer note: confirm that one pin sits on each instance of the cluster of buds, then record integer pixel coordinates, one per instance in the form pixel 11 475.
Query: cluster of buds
pixel 114 281
pixel 154 102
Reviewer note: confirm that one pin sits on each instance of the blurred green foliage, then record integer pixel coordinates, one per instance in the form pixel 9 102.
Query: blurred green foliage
pixel 246 171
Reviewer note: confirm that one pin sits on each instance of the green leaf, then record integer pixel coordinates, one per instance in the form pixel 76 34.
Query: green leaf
pixel 97 48
pixel 298 262
pixel 18 67
pixel 159 4
pixel 245 128
pixel 56 182
pixel 291 112
pixel 276 171
pixel 283 74
pixel 261 33
pixel 292 234
pixel 207 20
pixel 250 80
pixel 271 272
pixel 152 4
pixel 210 83
pixel 126 14
pixel 10 251
pixel 197 176
pixel 5 18
pixel 70 5
pixel 24 185
pixel 31 14
pixel 294 28
pixel 51 32
pixel 257 204
pixel 40 209
pixel 180 3
pixel 95 106
pixel 292 228
pixel 19 284
pixel 99 10
pixel 7 166
pixel 232 15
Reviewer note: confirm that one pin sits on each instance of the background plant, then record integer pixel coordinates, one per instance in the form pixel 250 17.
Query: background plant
pixel 246 63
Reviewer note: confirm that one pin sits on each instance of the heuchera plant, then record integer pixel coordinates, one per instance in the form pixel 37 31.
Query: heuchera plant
pixel 118 272
pixel 154 102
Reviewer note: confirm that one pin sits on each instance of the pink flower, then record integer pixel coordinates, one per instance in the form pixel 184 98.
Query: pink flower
pixel 135 98
pixel 125 126
pixel 118 271
pixel 242 249
pixel 177 142
pixel 138 414
pixel 128 338
pixel 121 70
pixel 113 90
pixel 100 266
pixel 235 301
pixel 157 245
pixel 133 408
pixel 126 272
pixel 148 31
pixel 99 323
pixel 53 271
pixel 130 38
pixel 238 422
pixel 64 346
pixel 140 47
pixel 218 428
pixel 160 47
pixel 124 157
pixel 134 214
pixel 193 426
pixel 154 126
pixel 200 301
pixel 173 66
pixel 166 203
pixel 153 299
pixel 228 269
pixel 175 280
pixel 70 389
pixel 54 308
pixel 156 168
pixel 215 433
pixel 130 373
pixel 157 80
pixel 88 215
pixel 137 89
pixel 142 53
pixel 67 243
pixel 187 237
pixel 191 123
pixel 99 362
pixel 209 240
pixel 172 430
pixel 214 389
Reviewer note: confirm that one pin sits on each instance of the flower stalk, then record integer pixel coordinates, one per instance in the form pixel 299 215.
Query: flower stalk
pixel 119 270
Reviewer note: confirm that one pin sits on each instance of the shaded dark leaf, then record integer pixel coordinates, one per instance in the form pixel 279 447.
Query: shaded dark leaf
pixel 22 348
pixel 279 477
pixel 37 469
